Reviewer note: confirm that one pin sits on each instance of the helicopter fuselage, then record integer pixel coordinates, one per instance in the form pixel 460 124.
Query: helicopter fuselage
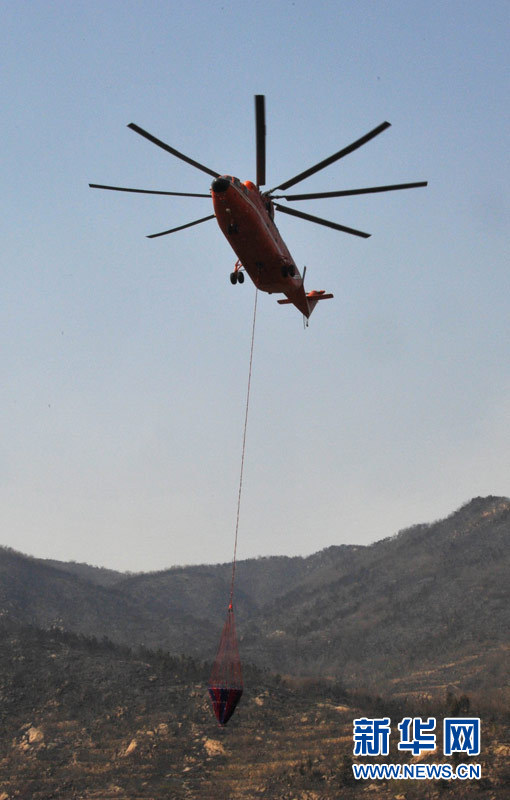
pixel 245 218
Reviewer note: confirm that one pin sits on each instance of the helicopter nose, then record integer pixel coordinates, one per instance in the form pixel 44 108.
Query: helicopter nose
pixel 220 185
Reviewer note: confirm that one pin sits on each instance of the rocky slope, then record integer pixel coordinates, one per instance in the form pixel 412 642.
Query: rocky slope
pixel 88 720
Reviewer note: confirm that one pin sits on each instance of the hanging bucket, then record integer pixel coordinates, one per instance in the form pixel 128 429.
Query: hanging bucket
pixel 226 681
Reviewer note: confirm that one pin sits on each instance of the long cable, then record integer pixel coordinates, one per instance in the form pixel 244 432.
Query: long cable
pixel 243 448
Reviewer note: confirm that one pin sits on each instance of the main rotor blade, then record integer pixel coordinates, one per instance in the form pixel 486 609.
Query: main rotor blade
pixel 260 133
pixel 349 192
pixel 171 150
pixel 327 161
pixel 181 227
pixel 145 191
pixel 320 221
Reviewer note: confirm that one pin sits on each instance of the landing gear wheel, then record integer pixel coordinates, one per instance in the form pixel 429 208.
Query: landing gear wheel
pixel 233 278
pixel 240 277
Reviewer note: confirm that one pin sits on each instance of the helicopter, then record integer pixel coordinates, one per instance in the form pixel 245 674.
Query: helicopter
pixel 245 215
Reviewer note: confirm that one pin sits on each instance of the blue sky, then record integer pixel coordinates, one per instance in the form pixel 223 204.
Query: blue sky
pixel 125 359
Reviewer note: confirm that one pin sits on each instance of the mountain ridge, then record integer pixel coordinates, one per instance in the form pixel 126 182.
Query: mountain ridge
pixel 368 615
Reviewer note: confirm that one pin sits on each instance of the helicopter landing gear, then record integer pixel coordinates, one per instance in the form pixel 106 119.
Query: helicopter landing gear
pixel 237 276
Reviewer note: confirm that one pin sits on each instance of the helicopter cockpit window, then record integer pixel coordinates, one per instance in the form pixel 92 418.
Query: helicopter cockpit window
pixel 239 185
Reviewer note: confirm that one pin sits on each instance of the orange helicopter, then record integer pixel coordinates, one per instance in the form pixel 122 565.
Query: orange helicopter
pixel 246 215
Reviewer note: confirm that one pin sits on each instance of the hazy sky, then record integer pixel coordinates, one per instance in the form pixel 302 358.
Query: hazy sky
pixel 124 360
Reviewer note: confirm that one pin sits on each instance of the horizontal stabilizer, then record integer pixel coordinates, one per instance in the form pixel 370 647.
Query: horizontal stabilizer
pixel 321 295
pixel 312 299
pixel 315 296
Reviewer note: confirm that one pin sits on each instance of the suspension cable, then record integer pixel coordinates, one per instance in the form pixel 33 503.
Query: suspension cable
pixel 243 448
